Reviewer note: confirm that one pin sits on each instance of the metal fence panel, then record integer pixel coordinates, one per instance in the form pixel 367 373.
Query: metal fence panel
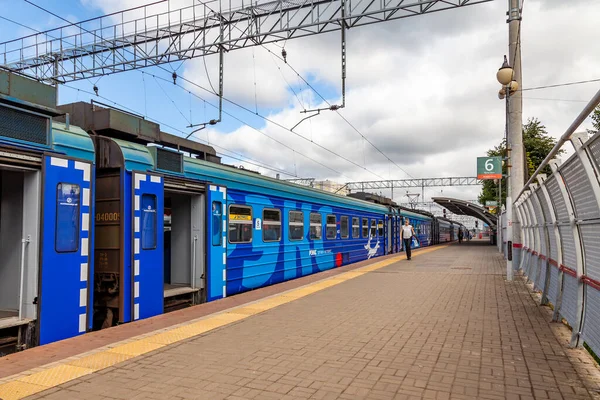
pixel 542 236
pixel 553 288
pixel 527 239
pixel 591 325
pixel 578 183
pixel 569 301
pixel 591 245
pixel 562 215
pixel 568 248
pixel 595 149
pixel 535 260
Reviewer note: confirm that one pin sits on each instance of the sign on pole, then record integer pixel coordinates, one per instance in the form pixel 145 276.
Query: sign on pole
pixel 491 203
pixel 489 168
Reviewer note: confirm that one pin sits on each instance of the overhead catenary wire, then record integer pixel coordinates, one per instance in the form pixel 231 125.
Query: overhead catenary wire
pixel 240 106
pixel 290 86
pixel 169 97
pixel 243 159
pixel 164 69
pixel 278 125
pixel 560 85
pixel 324 99
pixel 250 126
pixel 337 111
pixel 38 31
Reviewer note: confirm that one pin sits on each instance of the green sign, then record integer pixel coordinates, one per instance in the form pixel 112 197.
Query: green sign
pixel 491 203
pixel 489 168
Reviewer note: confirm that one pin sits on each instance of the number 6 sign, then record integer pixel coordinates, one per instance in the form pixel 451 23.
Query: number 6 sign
pixel 489 168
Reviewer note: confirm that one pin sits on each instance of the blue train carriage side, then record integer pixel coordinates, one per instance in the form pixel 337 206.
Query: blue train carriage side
pixel 445 230
pixel 275 231
pixel 422 223
pixel 46 196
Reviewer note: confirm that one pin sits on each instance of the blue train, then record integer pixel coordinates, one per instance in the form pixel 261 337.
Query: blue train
pixel 104 219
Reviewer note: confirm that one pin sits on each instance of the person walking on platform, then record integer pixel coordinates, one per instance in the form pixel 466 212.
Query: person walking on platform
pixel 460 235
pixel 407 233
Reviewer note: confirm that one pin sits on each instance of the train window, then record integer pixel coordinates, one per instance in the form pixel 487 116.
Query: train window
pixel 148 221
pixel 67 218
pixel 316 226
pixel 373 229
pixel 217 226
pixel 240 224
pixel 355 227
pixel 365 227
pixel 271 225
pixel 331 227
pixel 296 225
pixel 344 228
pixel 380 228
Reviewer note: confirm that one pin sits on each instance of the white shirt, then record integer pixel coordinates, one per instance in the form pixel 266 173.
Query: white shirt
pixel 406 231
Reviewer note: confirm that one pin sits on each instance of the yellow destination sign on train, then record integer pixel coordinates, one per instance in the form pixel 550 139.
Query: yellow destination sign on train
pixel 240 217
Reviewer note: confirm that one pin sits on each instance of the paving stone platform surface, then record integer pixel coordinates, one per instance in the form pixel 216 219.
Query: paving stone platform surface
pixel 445 325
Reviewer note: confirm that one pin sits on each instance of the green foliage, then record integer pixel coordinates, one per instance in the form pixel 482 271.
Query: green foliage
pixel 537 144
pixel 596 119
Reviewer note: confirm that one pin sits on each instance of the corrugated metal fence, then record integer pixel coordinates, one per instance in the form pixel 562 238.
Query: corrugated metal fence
pixel 560 222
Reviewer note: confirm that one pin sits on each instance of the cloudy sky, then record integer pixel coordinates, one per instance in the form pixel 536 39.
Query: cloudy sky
pixel 421 89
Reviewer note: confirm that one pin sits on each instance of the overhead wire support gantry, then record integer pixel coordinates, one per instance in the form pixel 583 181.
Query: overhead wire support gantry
pixel 102 46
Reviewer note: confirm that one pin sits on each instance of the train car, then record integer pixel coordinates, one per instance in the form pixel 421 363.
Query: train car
pixel 422 223
pixel 444 228
pixel 46 199
pixel 150 218
pixel 174 230
pixel 276 231
pixel 392 221
pixel 454 231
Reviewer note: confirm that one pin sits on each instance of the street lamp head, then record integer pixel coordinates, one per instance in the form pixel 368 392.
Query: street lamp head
pixel 505 73
pixel 502 93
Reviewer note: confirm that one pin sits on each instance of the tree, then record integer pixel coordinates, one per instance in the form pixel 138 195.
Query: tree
pixel 595 120
pixel 537 144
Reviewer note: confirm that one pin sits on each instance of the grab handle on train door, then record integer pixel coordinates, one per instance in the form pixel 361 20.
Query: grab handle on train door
pixel 193 285
pixel 24 243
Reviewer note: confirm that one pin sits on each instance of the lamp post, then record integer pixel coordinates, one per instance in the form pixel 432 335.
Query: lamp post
pixel 505 76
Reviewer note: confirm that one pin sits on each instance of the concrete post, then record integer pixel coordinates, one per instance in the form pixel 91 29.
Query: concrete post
pixel 515 130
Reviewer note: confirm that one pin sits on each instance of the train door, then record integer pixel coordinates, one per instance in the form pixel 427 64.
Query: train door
pixel 19 245
pixel 387 233
pixel 183 232
pixel 216 242
pixel 111 305
pixel 148 273
pixel 65 264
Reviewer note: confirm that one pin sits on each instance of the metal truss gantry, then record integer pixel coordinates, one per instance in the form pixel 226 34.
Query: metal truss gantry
pixel 413 183
pixel 143 37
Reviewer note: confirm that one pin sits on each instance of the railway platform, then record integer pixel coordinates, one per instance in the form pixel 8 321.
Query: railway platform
pixel 445 325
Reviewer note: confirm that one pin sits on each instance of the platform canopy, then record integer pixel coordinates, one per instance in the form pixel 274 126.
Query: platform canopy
pixel 463 207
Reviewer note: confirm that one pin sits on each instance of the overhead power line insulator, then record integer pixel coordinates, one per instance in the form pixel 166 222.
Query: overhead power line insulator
pixel 284 55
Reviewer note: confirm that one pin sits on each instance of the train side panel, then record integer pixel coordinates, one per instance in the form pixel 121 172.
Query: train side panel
pixel 271 240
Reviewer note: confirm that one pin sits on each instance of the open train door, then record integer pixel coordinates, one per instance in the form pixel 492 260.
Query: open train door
pixel 216 245
pixel 66 241
pixel 148 273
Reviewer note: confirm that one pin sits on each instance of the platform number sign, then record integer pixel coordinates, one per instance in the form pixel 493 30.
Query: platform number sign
pixel 489 168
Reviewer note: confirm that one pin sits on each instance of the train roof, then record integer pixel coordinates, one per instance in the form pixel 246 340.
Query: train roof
pixel 72 141
pixel 245 180
pixel 414 213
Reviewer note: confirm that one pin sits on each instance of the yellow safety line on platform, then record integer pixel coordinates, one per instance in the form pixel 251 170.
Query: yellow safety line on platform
pixel 43 378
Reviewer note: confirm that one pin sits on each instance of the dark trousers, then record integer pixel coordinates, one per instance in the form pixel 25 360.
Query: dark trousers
pixel 407 248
